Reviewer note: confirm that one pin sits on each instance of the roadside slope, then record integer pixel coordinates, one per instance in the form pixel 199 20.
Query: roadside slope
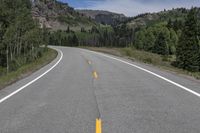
pixel 159 61
pixel 27 69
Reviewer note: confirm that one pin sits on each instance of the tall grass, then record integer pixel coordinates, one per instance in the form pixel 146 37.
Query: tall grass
pixel 163 62
pixel 26 69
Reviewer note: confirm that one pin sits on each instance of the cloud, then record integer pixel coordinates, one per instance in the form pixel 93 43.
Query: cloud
pixel 134 7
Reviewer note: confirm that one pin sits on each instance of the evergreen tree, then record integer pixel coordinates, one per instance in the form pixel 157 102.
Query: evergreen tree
pixel 173 42
pixel 170 23
pixel 199 42
pixel 149 41
pixel 20 37
pixel 188 47
pixel 139 39
pixel 161 45
pixel 75 40
pixel 45 36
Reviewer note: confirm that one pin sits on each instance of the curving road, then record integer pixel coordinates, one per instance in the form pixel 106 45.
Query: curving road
pixel 79 86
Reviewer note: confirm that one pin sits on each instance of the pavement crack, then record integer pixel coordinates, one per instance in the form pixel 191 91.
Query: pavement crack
pixel 94 79
pixel 97 104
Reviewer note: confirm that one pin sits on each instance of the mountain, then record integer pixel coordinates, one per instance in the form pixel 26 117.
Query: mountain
pixel 57 15
pixel 148 19
pixel 104 17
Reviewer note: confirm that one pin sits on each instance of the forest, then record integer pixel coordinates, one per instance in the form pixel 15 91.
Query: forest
pixel 21 39
pixel 178 37
pixel 174 33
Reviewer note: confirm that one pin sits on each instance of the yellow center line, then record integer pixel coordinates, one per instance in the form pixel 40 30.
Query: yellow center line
pixel 98 126
pixel 95 75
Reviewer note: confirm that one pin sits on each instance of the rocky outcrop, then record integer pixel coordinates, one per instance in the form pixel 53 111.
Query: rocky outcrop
pixel 104 17
pixel 51 14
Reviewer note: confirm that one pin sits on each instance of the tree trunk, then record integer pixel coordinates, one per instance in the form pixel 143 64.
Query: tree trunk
pixel 7 60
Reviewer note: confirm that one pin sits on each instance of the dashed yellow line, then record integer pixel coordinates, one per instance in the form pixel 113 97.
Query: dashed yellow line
pixel 98 126
pixel 95 74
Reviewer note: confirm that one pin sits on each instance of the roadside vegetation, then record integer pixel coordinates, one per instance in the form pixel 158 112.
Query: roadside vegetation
pixel 160 61
pixel 180 38
pixel 167 38
pixel 95 36
pixel 21 37
pixel 26 69
pixel 171 38
pixel 23 44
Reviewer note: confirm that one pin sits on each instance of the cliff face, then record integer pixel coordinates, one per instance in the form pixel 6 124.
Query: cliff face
pixel 104 17
pixel 57 15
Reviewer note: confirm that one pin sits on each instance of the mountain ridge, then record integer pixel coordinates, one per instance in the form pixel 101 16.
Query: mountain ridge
pixel 104 17
pixel 57 15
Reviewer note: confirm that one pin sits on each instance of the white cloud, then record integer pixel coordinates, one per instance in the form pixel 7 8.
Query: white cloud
pixel 134 7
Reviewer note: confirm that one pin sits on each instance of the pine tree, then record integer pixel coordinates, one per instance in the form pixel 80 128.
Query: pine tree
pixel 173 42
pixel 170 23
pixel 176 25
pixel 188 47
pixel 149 41
pixel 199 43
pixel 45 36
pixel 161 45
pixel 68 29
pixel 139 39
pixel 17 38
pixel 74 40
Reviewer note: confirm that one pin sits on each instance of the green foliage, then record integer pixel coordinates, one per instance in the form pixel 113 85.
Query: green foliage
pixel 123 36
pixel 161 44
pixel 67 19
pixel 173 42
pixel 167 33
pixel 157 39
pixel 96 36
pixel 178 37
pixel 140 38
pixel 188 55
pixel 150 40
pixel 20 36
pixel 8 78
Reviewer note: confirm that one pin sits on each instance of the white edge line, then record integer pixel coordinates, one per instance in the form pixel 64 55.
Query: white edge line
pixel 31 82
pixel 152 73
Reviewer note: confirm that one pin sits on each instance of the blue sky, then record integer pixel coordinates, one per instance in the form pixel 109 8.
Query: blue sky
pixel 131 7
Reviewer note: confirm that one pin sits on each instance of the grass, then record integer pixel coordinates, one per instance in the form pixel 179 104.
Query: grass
pixel 159 61
pixel 27 69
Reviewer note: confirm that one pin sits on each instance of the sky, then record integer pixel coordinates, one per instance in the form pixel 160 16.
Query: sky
pixel 131 7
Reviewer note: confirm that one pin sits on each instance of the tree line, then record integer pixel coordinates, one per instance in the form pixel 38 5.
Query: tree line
pixel 179 37
pixel 176 36
pixel 96 36
pixel 20 36
pixel 188 48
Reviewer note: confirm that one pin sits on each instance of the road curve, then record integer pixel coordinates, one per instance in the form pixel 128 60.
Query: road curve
pixel 80 86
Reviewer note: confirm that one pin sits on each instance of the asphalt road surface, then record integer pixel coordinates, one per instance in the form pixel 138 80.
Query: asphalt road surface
pixel 79 86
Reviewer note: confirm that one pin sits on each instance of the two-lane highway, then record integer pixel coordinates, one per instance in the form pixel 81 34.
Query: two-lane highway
pixel 80 87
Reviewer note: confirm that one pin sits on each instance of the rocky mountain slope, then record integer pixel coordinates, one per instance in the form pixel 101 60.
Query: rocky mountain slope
pixel 104 17
pixel 56 15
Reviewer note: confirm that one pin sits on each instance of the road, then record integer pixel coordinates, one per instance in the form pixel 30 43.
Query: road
pixel 80 86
